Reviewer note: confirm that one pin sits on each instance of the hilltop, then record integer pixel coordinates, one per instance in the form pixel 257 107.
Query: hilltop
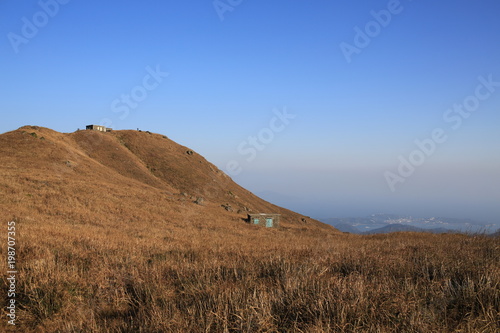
pixel 100 178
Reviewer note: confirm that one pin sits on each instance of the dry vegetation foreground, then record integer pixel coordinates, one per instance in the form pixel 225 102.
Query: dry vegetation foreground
pixel 226 277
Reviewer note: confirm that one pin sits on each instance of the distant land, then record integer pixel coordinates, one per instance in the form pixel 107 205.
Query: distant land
pixel 385 223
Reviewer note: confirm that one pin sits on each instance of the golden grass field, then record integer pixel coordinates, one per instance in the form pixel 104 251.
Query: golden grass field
pixel 108 239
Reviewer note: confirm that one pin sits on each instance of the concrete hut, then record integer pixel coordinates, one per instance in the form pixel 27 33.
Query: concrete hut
pixel 266 220
pixel 98 128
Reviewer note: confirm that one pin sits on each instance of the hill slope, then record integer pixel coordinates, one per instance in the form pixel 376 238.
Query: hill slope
pixel 94 177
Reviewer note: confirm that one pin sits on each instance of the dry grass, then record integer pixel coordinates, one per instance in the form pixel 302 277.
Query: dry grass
pixel 145 278
pixel 127 252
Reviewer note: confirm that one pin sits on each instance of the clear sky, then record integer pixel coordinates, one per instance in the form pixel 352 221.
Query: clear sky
pixel 315 103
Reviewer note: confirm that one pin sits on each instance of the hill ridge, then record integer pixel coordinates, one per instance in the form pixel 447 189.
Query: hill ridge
pixel 107 166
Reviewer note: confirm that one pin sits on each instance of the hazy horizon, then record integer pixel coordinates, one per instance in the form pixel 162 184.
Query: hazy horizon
pixel 343 109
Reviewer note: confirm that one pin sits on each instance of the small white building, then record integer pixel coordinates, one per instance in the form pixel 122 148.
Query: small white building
pixel 98 128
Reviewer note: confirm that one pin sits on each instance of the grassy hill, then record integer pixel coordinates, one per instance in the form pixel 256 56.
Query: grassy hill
pixel 95 177
pixel 109 239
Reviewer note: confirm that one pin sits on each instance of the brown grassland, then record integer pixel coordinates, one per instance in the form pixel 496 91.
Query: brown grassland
pixel 108 239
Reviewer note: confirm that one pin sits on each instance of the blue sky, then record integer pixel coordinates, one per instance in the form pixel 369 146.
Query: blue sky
pixel 234 65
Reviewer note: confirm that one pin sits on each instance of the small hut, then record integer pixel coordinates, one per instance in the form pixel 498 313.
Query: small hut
pixel 98 128
pixel 266 220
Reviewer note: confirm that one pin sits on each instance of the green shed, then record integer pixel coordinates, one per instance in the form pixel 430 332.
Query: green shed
pixel 265 220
